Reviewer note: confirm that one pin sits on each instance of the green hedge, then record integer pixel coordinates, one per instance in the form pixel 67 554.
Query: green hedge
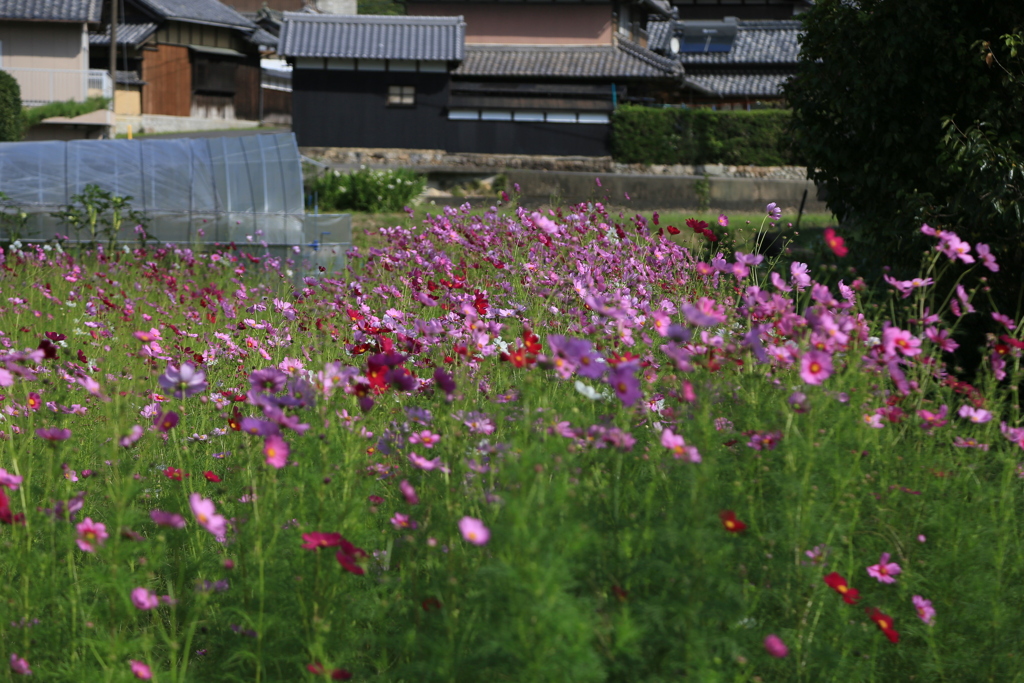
pixel 10 108
pixel 646 135
pixel 71 109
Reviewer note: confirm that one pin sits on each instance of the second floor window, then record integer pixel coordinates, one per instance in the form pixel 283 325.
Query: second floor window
pixel 401 95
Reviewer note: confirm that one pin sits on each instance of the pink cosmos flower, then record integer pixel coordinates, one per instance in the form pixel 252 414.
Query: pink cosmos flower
pixel 400 521
pixel 723 220
pixel 987 259
pixel 775 647
pixel 1004 319
pixel 895 340
pixel 873 420
pixel 133 436
pixel 144 600
pixel 677 445
pixel 276 449
pixel 141 670
pixel 207 517
pixel 941 339
pixel 885 571
pixel 426 438
pixel 423 463
pixel 171 519
pixel 815 367
pixel 11 481
pixel 976 415
pixel 19 665
pixel 930 420
pixel 409 492
pixel 924 609
pixel 91 534
pixel 474 531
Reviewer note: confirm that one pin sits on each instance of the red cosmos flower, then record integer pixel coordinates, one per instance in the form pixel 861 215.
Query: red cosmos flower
pixel 884 622
pixel 336 675
pixel 235 421
pixel 211 477
pixel 531 341
pixel 839 585
pixel 729 521
pixel 174 474
pixel 836 243
pixel 5 511
pixel 319 539
pixel 697 226
pixel 349 556
pixel 480 302
pixel 672 230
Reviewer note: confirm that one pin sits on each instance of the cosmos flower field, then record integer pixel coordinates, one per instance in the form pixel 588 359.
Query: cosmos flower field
pixel 517 446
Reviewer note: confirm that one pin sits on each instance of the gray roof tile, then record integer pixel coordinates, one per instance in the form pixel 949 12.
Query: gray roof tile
pixel 52 10
pixel 740 84
pixel 757 42
pixel 372 37
pixel 127 34
pixel 198 12
pixel 625 60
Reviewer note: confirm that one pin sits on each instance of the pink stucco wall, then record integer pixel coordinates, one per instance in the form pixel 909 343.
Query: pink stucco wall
pixel 527 24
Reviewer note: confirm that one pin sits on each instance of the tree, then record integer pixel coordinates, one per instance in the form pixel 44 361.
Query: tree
pixel 10 108
pixel 903 119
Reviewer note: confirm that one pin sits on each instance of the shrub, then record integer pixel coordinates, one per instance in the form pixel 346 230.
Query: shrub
pixel 367 190
pixel 701 136
pixel 70 109
pixel 904 126
pixel 10 108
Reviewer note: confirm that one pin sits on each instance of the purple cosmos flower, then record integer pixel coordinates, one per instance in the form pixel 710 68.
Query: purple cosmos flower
pixel 53 434
pixel 267 380
pixel 975 415
pixel 987 259
pixel 165 422
pixel 444 381
pixel 706 313
pixel 409 492
pixel 171 519
pixel 11 481
pixel 183 381
pixel 19 665
pixel 774 211
pixel 252 425
pixel 885 571
pixel 133 436
pixel 299 394
pixel 625 384
pixel 144 600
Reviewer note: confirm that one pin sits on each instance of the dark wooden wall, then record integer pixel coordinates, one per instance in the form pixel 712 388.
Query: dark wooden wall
pixel 348 109
pixel 276 102
pixel 168 76
pixel 247 91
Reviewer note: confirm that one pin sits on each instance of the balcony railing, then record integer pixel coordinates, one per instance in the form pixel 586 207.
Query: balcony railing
pixel 40 86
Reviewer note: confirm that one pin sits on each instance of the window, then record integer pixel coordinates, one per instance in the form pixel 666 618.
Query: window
pixel 463 115
pixel 561 117
pixel 528 116
pixel 494 115
pixel 593 118
pixel 401 95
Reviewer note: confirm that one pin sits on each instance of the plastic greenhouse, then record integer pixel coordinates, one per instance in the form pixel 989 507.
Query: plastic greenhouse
pixel 214 190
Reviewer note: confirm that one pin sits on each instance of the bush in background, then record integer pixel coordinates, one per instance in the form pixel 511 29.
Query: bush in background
pixel 367 190
pixel 910 125
pixel 10 108
pixel 645 135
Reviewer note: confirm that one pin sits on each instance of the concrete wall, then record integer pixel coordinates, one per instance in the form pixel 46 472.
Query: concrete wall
pixel 49 60
pixel 154 123
pixel 661 192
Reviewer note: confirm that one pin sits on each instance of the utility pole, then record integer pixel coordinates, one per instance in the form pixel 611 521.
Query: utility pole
pixel 113 66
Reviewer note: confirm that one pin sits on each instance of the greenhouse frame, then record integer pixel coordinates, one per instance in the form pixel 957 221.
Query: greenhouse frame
pixel 244 189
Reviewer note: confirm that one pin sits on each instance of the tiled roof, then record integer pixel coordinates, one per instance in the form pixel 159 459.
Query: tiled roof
pixel 198 12
pixel 625 60
pixel 127 34
pixel 261 37
pixel 757 42
pixel 372 37
pixel 740 85
pixel 52 10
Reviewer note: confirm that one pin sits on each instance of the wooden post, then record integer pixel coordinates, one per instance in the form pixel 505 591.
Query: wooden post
pixel 113 66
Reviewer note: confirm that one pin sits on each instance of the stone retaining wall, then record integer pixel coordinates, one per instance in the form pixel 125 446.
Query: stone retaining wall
pixel 438 160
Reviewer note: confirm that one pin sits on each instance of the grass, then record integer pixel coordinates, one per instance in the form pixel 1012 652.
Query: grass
pixel 33 115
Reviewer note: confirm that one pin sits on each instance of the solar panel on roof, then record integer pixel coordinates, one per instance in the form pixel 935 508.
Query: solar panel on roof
pixel 706 36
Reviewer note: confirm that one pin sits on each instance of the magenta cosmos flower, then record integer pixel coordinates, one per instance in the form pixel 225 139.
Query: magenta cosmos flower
pixel 677 445
pixel 924 609
pixel 775 647
pixel 474 531
pixel 815 367
pixel 206 515
pixel 91 534
pixel 885 571
pixel 19 665
pixel 144 600
pixel 141 670
pixel 53 434
pixel 170 519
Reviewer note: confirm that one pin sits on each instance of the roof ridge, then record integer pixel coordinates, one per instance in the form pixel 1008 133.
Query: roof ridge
pixel 370 18
pixel 652 58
